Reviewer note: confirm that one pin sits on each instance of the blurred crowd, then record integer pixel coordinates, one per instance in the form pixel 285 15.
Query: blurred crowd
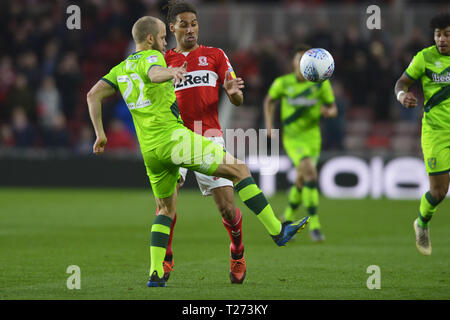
pixel 46 70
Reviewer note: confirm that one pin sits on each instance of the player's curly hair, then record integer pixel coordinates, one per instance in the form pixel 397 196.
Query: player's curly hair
pixel 176 7
pixel 440 21
pixel 301 47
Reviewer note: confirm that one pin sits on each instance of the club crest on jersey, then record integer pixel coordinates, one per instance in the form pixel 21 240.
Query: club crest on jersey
pixel 432 163
pixel 202 61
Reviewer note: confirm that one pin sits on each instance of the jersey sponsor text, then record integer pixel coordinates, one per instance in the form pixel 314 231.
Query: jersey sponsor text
pixel 198 78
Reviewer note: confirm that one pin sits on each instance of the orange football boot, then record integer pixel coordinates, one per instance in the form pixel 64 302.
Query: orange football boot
pixel 237 270
pixel 168 268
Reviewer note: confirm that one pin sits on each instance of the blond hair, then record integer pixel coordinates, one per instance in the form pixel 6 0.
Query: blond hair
pixel 145 26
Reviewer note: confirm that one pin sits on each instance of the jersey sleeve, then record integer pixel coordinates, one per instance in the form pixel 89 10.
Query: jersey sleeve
pixel 224 65
pixel 326 94
pixel 111 78
pixel 276 89
pixel 416 68
pixel 154 59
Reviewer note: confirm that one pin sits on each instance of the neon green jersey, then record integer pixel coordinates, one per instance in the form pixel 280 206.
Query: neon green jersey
pixel 153 106
pixel 300 102
pixel 433 69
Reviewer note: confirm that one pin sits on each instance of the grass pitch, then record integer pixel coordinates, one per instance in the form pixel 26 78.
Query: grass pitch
pixel 106 233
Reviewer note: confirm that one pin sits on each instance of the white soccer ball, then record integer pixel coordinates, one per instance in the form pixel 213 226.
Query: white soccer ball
pixel 317 65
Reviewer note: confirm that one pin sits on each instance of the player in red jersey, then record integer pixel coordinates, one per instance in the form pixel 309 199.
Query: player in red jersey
pixel 208 69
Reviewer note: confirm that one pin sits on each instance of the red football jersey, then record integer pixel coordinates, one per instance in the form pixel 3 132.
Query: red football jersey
pixel 198 96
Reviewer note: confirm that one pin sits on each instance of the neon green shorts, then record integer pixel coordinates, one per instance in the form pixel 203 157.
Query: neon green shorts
pixel 436 151
pixel 186 149
pixel 303 146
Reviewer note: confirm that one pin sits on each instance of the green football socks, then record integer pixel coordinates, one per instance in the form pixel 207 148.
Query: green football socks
pixel 310 195
pixel 295 199
pixel 255 200
pixel 427 208
pixel 158 243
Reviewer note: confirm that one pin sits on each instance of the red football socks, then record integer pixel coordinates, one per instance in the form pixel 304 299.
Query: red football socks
pixel 234 229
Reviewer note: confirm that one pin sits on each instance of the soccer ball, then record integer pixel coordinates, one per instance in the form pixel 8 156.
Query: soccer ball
pixel 317 65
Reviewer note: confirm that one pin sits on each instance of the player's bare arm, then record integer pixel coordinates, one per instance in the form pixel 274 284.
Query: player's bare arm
pixel 158 74
pixel 269 109
pixel 329 110
pixel 407 99
pixel 232 87
pixel 98 92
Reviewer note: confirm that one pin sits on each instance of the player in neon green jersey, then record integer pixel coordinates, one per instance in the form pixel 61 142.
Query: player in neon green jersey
pixel 302 104
pixel 146 85
pixel 432 67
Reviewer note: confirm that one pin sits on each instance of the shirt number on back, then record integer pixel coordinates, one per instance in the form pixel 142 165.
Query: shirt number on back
pixel 140 103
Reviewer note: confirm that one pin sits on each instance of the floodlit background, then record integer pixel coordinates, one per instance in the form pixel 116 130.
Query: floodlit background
pixel 46 71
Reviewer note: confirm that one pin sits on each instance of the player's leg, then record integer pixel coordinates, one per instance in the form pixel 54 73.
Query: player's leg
pixel 232 221
pixel 159 238
pixel 223 194
pixel 292 147
pixel 430 200
pixel 231 218
pixel 310 195
pixel 169 261
pixel 428 205
pixel 436 153
pixel 238 172
pixel 163 178
pixel 295 198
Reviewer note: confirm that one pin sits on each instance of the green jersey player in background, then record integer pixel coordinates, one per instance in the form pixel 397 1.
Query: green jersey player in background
pixel 432 67
pixel 146 85
pixel 302 104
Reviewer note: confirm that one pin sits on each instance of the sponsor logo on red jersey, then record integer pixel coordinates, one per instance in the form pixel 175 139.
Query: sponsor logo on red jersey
pixel 198 78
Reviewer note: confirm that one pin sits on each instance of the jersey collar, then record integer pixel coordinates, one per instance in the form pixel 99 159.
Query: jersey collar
pixel 186 53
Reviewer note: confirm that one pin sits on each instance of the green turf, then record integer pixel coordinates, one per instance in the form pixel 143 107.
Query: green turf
pixel 106 233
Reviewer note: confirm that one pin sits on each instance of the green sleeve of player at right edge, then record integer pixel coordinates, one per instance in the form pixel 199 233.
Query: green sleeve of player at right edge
pixel 416 68
pixel 326 94
pixel 111 78
pixel 276 89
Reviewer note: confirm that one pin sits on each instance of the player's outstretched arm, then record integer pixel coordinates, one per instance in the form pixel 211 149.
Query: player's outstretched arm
pixel 269 109
pixel 95 96
pixel 158 74
pixel 330 110
pixel 407 99
pixel 232 87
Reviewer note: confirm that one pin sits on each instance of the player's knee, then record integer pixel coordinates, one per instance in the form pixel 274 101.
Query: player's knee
pixel 239 172
pixel 165 212
pixel 309 172
pixel 299 182
pixel 226 210
pixel 439 192
pixel 162 209
pixel 244 171
pixel 310 177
